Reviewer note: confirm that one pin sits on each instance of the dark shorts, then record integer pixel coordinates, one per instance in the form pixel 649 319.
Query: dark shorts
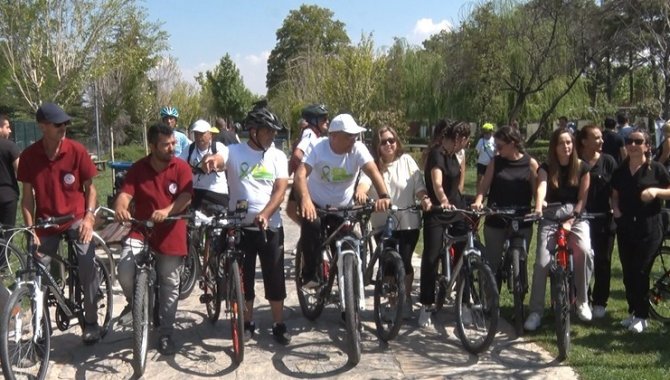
pixel 201 198
pixel 481 169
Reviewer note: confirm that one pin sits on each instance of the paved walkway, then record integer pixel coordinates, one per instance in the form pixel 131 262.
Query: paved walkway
pixel 316 351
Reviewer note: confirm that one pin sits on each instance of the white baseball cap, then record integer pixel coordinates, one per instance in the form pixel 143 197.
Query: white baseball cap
pixel 201 126
pixel 345 123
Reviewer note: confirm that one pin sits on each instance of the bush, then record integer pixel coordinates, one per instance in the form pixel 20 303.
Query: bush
pixel 130 153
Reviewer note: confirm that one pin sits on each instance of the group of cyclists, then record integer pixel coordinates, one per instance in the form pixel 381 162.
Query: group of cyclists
pixel 332 167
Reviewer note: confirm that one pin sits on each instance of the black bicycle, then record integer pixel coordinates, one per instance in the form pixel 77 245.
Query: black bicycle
pixel 25 326
pixel 659 293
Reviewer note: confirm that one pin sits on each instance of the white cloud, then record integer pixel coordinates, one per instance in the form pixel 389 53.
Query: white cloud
pixel 426 27
pixel 253 69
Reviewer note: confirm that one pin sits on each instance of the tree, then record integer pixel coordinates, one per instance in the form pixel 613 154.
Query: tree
pixel 50 47
pixel 310 28
pixel 229 96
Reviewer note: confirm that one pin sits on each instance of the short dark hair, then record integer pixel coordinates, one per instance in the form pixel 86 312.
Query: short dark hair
pixel 4 117
pixel 609 123
pixel 156 130
pixel 457 129
pixel 622 118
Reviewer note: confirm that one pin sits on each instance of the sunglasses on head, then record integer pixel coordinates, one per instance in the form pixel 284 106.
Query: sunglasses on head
pixel 389 141
pixel 630 141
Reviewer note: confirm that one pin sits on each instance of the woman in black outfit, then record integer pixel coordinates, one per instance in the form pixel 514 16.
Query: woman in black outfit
pixel 442 173
pixel 638 186
pixel 602 165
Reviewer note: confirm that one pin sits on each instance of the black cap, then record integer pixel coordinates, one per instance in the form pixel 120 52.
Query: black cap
pixel 51 113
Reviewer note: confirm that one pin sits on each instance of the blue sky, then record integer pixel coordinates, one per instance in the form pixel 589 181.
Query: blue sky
pixel 203 31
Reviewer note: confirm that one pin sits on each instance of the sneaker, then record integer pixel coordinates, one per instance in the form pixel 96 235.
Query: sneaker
pixel 638 325
pixel 280 333
pixel 249 330
pixel 599 311
pixel 126 316
pixel 166 346
pixel 425 316
pixel 584 312
pixel 532 322
pixel 91 333
pixel 628 321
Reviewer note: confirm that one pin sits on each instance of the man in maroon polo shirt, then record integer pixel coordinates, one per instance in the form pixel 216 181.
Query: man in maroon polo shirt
pixel 161 185
pixel 57 175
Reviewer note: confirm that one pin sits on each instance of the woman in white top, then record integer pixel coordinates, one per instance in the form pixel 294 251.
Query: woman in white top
pixel 405 184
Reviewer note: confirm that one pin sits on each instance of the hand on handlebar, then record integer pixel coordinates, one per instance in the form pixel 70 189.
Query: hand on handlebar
pixel 159 216
pixel 307 210
pixel 360 197
pixel 122 215
pixel 382 204
pixel 426 204
pixel 477 206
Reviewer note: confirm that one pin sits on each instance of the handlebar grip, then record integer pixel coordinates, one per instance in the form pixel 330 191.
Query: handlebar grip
pixel 56 219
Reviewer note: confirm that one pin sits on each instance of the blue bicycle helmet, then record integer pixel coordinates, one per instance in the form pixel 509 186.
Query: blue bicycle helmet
pixel 169 111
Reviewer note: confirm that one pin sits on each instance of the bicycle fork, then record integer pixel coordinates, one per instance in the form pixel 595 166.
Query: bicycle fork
pixel 357 269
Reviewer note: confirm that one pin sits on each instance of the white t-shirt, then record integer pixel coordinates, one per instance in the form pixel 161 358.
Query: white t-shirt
pixel 215 182
pixel 251 176
pixel 403 180
pixel 331 181
pixel 486 149
pixel 306 139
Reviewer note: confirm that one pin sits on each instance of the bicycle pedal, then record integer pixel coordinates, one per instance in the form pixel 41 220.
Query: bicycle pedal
pixel 206 298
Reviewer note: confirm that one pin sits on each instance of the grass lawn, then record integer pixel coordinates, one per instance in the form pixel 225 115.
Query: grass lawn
pixel 601 349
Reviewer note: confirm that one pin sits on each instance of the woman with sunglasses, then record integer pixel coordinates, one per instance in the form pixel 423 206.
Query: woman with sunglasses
pixel 638 185
pixel 563 179
pixel 405 185
pixel 514 169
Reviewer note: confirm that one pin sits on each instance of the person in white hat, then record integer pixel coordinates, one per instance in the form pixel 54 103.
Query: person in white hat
pixel 209 188
pixel 337 161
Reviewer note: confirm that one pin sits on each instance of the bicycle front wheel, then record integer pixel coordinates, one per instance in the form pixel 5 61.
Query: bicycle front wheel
pixel 440 283
pixel 518 288
pixel 477 306
pixel 212 285
pixel 560 299
pixel 141 313
pixel 351 316
pixel 311 300
pixel 659 294
pixel 236 309
pixel 389 299
pixel 189 272
pixel 104 297
pixel 11 260
pixel 24 349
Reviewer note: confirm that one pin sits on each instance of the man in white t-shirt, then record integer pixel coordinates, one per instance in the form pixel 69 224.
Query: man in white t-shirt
pixel 327 177
pixel 258 173
pixel 209 188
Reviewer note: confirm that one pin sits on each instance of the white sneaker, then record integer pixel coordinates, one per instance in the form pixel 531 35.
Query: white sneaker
pixel 628 321
pixel 584 312
pixel 424 316
pixel 599 311
pixel 638 325
pixel 532 322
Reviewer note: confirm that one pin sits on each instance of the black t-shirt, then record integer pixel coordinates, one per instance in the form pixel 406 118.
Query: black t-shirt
pixel 9 187
pixel 600 187
pixel 511 186
pixel 630 187
pixel 227 138
pixel 564 193
pixel 451 176
pixel 612 144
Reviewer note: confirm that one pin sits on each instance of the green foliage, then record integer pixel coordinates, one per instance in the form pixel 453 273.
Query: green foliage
pixel 226 93
pixel 130 153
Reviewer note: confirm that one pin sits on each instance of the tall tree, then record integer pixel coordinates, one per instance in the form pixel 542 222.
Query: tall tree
pixel 310 28
pixel 229 96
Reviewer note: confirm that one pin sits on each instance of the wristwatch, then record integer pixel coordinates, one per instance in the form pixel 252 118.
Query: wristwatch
pixel 91 210
pixel 384 196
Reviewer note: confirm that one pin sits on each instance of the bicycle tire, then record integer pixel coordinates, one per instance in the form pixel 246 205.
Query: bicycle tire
pixel 312 301
pixel 389 296
pixel 518 291
pixel 106 256
pixel 16 356
pixel 477 294
pixel 212 287
pixel 440 283
pixel 560 299
pixel 236 309
pixel 104 297
pixel 351 315
pixel 659 292
pixel 11 260
pixel 189 273
pixel 141 320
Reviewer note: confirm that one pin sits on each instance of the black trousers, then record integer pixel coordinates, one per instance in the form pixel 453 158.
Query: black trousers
pixel 8 214
pixel 602 243
pixel 272 264
pixel 311 237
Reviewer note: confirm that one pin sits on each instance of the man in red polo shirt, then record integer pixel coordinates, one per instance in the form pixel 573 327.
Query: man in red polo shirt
pixel 161 185
pixel 57 175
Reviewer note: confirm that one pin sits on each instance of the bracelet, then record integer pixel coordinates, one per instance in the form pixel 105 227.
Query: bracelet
pixel 91 210
pixel 384 196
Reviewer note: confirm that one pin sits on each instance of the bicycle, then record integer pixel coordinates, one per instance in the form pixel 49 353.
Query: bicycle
pixel 477 299
pixel 341 258
pixel 390 292
pixel 222 274
pixel 25 325
pixel 659 292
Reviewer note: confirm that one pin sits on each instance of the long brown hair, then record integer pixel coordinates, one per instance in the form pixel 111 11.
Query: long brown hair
pixel 554 164
pixel 376 143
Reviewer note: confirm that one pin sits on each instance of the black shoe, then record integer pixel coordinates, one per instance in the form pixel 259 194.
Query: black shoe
pixel 166 346
pixel 280 333
pixel 126 316
pixel 249 330
pixel 91 333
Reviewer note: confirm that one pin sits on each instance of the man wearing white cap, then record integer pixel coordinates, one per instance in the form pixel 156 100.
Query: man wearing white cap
pixel 336 161
pixel 209 188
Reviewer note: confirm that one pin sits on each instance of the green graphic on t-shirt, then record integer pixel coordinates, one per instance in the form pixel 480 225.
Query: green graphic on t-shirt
pixel 257 172
pixel 336 174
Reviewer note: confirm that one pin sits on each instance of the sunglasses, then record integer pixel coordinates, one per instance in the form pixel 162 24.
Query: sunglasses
pixel 634 141
pixel 389 141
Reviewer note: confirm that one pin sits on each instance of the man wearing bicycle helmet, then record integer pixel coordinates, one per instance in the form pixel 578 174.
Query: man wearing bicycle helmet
pixel 258 173
pixel 169 116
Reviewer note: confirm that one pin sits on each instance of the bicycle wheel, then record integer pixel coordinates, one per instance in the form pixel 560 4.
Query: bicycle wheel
pixel 141 317
pixel 389 299
pixel 189 272
pixel 212 285
pixel 11 260
pixel 560 300
pixel 23 349
pixel 104 253
pixel 313 300
pixel 104 297
pixel 659 293
pixel 440 283
pixel 236 309
pixel 374 250
pixel 477 306
pixel 351 316
pixel 518 288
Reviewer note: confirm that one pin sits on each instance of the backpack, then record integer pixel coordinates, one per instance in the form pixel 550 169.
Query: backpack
pixel 293 161
pixel 191 148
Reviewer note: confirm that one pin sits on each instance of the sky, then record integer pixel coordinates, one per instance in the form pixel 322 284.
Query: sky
pixel 203 31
